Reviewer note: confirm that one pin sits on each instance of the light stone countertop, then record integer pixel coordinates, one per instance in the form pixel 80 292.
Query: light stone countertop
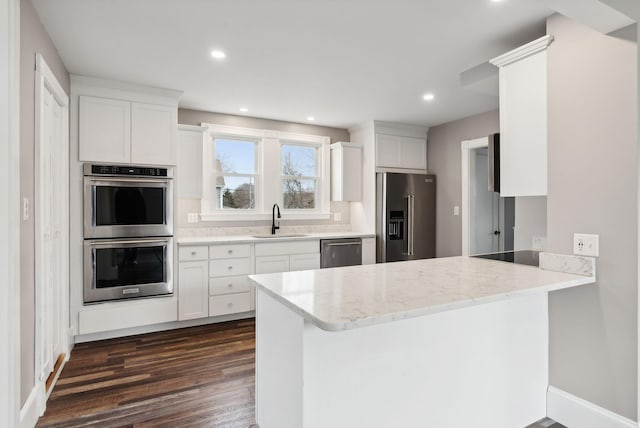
pixel 238 239
pixel 357 296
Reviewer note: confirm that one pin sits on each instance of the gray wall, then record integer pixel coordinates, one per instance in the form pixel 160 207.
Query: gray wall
pixel 444 160
pixel 196 117
pixel 530 220
pixel 33 39
pixel 592 87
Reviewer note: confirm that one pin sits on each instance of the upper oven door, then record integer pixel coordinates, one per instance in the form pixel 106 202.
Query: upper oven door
pixel 127 207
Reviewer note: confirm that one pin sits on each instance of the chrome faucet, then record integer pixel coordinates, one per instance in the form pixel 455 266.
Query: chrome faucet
pixel 273 219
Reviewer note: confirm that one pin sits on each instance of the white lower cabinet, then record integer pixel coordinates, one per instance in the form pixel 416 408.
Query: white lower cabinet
pixel 272 264
pixel 304 262
pixel 229 287
pixel 193 290
pixel 229 304
pixel 368 251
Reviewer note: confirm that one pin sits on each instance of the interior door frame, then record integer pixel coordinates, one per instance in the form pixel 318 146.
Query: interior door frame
pixel 10 214
pixel 46 80
pixel 465 148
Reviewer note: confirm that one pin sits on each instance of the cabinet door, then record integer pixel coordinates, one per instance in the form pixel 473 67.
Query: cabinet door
pixel 104 130
pixel 523 127
pixel 193 290
pixel 304 262
pixel 189 169
pixel 368 251
pixel 272 264
pixel 388 151
pixel 153 134
pixel 414 153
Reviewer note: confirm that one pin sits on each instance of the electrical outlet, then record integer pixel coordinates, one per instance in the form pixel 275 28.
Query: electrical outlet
pixel 456 210
pixel 539 243
pixel 25 209
pixel 337 216
pixel 192 218
pixel 586 245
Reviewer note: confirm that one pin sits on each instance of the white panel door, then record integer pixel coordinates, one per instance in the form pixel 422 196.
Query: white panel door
pixel 414 153
pixel 272 264
pixel 193 290
pixel 304 262
pixel 153 134
pixel 388 151
pixel 104 130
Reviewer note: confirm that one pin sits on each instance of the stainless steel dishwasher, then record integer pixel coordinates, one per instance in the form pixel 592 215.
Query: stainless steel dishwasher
pixel 340 252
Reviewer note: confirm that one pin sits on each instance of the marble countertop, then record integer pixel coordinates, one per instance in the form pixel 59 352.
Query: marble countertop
pixel 349 297
pixel 236 239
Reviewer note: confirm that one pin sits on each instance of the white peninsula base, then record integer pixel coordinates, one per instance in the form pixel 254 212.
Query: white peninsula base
pixel 478 366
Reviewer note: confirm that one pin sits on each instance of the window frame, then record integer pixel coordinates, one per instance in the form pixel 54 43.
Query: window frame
pixel 268 174
pixel 317 178
pixel 221 173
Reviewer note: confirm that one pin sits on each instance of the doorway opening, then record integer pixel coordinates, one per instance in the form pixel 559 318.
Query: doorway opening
pixel 487 218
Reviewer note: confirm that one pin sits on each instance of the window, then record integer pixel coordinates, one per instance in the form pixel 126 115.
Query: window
pixel 235 174
pixel 247 170
pixel 299 176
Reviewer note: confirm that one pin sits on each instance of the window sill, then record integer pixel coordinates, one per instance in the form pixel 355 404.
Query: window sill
pixel 286 216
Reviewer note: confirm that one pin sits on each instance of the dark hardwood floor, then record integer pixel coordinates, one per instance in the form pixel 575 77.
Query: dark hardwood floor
pixel 193 377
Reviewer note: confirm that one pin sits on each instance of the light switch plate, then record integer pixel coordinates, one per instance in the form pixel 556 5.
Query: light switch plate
pixel 585 244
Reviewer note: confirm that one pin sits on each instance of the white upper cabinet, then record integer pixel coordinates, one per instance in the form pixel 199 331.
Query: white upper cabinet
pixel 123 123
pixel 523 119
pixel 189 170
pixel 104 130
pixel 153 134
pixel 401 152
pixel 346 172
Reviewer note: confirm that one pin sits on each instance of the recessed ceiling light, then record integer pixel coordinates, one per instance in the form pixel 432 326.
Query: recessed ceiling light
pixel 428 97
pixel 244 109
pixel 311 118
pixel 496 1
pixel 218 54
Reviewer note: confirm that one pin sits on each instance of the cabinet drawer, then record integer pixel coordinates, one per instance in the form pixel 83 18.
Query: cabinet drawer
pixel 229 304
pixel 229 251
pixel 230 284
pixel 229 267
pixel 193 253
pixel 272 264
pixel 286 248
pixel 304 262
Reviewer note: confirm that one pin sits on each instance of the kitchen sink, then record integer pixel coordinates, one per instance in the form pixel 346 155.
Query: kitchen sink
pixel 280 235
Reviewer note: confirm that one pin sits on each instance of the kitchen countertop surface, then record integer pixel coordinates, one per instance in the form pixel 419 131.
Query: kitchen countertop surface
pixel 237 239
pixel 356 296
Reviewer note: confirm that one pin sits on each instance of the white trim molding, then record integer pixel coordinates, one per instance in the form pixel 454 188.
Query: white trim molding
pixel 10 213
pixel 573 411
pixel 466 147
pixel 523 51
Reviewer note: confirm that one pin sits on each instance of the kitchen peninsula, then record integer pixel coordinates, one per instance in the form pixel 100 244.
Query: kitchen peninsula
pixel 448 342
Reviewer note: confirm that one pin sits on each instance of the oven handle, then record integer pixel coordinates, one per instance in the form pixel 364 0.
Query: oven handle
pixel 134 241
pixel 111 180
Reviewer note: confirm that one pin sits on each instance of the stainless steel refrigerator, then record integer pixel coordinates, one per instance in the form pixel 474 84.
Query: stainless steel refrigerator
pixel 405 217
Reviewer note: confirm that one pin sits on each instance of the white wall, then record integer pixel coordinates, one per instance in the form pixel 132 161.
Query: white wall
pixel 593 176
pixel 530 221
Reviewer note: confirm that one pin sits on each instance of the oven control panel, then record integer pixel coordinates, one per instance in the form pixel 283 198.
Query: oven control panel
pixel 126 170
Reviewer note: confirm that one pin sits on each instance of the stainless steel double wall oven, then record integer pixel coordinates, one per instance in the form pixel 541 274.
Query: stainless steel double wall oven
pixel 128 232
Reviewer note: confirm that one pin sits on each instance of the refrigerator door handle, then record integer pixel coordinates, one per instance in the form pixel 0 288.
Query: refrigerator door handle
pixel 410 217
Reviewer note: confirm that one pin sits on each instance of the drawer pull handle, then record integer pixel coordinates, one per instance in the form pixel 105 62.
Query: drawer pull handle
pixel 230 251
pixel 193 253
pixel 230 267
pixel 230 304
pixel 230 285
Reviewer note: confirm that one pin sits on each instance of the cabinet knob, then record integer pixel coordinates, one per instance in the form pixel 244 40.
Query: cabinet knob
pixel 230 251
pixel 230 267
pixel 230 285
pixel 230 304
pixel 193 253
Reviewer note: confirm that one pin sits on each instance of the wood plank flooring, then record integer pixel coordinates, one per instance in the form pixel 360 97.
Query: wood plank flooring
pixel 193 377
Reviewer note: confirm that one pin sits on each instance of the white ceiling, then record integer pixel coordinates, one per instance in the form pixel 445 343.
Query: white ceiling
pixel 342 61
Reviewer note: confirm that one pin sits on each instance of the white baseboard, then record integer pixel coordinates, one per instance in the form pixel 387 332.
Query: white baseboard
pixel 33 408
pixel 575 412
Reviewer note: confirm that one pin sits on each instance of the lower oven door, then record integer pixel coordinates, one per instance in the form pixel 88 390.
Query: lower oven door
pixel 117 269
